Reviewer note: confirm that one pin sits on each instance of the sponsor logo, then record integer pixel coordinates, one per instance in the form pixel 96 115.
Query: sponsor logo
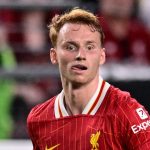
pixel 141 127
pixel 53 147
pixel 142 114
pixel 94 140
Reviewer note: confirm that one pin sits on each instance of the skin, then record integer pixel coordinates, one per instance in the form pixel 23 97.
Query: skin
pixel 79 54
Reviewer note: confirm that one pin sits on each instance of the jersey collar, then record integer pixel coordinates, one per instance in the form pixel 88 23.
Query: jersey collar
pixel 92 106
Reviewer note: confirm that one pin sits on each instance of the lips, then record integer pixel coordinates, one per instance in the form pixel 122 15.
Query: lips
pixel 79 67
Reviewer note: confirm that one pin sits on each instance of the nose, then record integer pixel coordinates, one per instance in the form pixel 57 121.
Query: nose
pixel 81 55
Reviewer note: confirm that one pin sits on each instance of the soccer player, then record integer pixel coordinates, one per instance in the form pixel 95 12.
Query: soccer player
pixel 89 113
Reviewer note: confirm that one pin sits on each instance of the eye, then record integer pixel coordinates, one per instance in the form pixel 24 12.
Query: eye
pixel 90 47
pixel 71 47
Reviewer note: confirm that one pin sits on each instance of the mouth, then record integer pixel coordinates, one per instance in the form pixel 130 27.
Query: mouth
pixel 79 67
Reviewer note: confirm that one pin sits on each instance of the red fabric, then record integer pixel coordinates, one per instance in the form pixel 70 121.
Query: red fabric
pixel 113 122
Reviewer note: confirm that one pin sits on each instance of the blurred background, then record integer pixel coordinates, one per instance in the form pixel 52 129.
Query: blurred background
pixel 27 76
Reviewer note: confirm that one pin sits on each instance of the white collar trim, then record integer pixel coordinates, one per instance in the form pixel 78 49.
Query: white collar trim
pixel 92 106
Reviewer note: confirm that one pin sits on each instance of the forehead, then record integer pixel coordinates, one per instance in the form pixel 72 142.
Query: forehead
pixel 76 30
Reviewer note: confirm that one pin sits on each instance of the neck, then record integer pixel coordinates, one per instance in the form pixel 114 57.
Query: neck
pixel 77 96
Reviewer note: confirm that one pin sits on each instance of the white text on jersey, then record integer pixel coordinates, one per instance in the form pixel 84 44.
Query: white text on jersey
pixel 143 126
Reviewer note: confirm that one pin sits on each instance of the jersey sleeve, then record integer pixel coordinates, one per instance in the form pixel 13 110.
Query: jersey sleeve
pixel 36 118
pixel 136 123
pixel 30 128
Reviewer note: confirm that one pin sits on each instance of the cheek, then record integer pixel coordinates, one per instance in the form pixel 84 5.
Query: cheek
pixel 96 60
pixel 63 62
pixel 65 57
pixel 96 64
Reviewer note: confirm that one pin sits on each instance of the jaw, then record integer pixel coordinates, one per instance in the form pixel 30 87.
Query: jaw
pixel 79 80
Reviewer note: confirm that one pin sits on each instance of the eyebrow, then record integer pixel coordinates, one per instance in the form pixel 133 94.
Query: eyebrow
pixel 76 43
pixel 91 42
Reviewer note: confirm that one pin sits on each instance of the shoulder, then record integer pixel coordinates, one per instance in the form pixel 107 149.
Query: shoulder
pixel 123 100
pixel 117 96
pixel 124 106
pixel 132 120
pixel 127 109
pixel 132 117
pixel 41 110
pixel 121 97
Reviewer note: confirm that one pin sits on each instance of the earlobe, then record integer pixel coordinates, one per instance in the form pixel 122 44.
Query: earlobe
pixel 102 56
pixel 53 56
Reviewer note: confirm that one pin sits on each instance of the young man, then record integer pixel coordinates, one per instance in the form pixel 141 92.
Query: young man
pixel 89 113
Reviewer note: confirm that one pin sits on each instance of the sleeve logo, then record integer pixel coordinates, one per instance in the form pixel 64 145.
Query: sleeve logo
pixel 142 114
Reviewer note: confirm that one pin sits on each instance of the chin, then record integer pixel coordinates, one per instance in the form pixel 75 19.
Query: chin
pixel 80 80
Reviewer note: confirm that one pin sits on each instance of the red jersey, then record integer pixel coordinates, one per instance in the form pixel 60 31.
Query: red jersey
pixel 112 120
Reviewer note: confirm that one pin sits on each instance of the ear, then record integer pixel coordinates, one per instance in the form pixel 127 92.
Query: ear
pixel 53 56
pixel 102 56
